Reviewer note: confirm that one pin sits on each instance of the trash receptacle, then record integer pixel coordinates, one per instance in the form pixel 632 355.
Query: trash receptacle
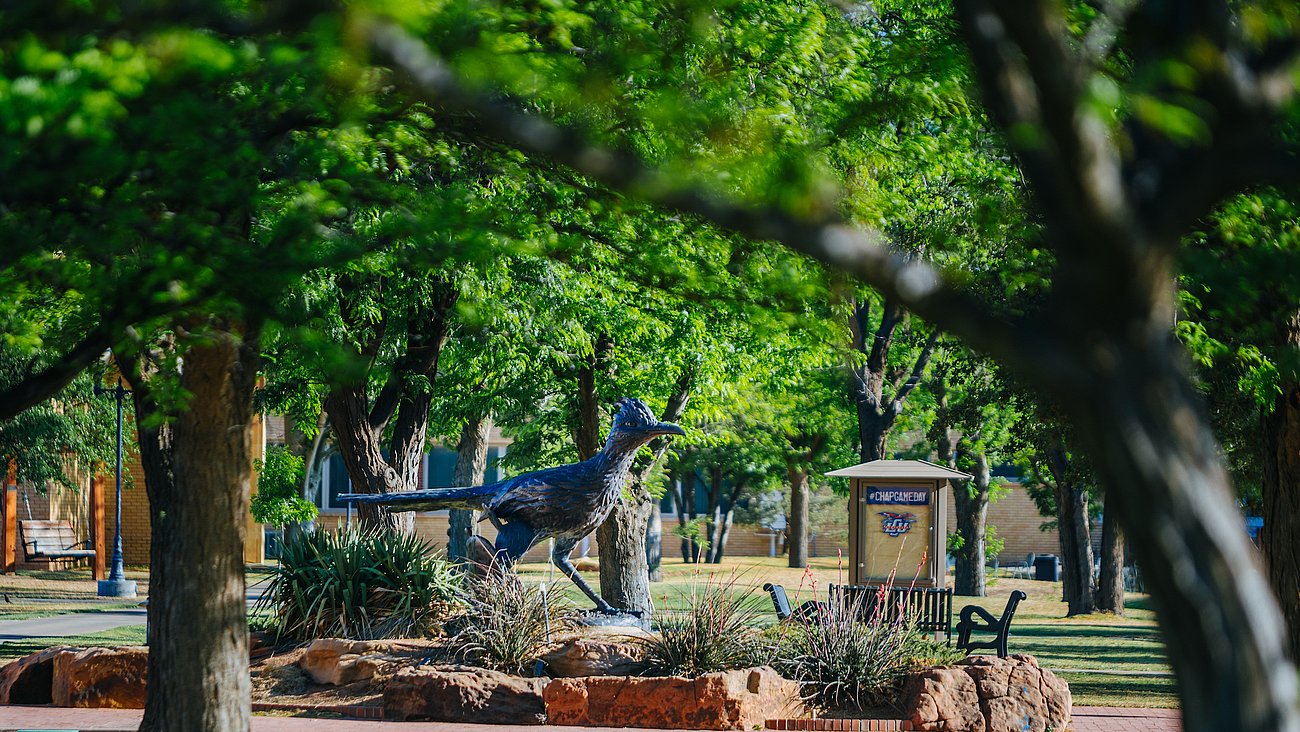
pixel 1047 568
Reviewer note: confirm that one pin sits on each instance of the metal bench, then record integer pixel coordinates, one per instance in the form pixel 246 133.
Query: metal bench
pixel 1000 627
pixel 929 609
pixel 810 612
pixel 52 540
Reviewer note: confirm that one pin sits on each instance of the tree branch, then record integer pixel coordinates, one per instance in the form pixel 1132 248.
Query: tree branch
pixel 829 238
pixel 1034 84
pixel 44 384
pixel 918 371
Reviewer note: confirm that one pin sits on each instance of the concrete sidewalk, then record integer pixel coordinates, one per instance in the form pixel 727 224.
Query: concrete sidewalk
pixel 1086 719
pixel 90 622
pixel 70 624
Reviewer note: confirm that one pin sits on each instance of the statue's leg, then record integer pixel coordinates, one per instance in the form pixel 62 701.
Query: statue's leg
pixel 560 558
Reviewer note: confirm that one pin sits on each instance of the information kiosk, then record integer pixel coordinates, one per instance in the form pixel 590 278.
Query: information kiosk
pixel 897 522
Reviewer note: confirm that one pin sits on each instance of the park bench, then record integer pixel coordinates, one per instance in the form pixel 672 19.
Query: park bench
pixel 1000 627
pixel 809 612
pixel 929 609
pixel 52 540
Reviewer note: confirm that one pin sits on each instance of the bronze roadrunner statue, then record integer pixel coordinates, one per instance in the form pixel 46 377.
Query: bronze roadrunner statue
pixel 564 503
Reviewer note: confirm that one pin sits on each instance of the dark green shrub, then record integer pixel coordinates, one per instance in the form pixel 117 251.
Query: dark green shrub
pixel 508 623
pixel 353 584
pixel 716 630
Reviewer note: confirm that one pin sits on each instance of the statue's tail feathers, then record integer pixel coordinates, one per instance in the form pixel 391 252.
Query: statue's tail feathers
pixel 473 497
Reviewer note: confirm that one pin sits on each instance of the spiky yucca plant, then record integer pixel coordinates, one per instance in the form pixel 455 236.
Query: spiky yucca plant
pixel 509 624
pixel 856 656
pixel 361 585
pixel 716 630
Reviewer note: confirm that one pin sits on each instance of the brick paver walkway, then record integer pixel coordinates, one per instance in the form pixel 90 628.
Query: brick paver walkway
pixel 104 720
pixel 1115 719
pixel 1086 719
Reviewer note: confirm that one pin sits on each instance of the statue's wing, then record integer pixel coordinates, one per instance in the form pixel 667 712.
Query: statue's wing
pixel 544 500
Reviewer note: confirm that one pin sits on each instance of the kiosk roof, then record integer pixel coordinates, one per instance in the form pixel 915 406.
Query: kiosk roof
pixel 899 469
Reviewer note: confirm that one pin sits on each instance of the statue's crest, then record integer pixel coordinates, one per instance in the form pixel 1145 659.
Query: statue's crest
pixel 633 414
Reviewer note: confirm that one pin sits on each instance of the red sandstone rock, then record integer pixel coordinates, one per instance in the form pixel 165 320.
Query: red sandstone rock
pixel 593 657
pixel 987 693
pixel 339 661
pixel 463 694
pixel 112 678
pixel 727 700
pixel 944 699
pixel 29 680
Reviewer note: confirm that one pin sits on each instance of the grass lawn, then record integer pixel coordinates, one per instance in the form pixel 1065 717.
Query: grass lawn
pixel 44 593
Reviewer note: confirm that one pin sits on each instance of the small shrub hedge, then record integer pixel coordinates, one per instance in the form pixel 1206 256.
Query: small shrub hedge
pixel 361 585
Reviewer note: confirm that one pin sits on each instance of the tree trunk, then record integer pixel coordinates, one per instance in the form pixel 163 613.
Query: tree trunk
pixel 867 379
pixel 359 426
pixel 876 412
pixel 797 524
pixel 1160 464
pixel 1110 586
pixel 654 544
pixel 358 445
pixel 971 504
pixel 724 530
pixel 714 514
pixel 471 465
pixel 685 514
pixel 1075 537
pixel 198 473
pixel 313 459
pixel 1280 535
pixel 624 571
pixel 724 533
pixel 587 437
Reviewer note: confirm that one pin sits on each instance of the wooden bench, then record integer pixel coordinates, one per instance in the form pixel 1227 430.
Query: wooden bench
pixel 929 609
pixel 52 540
pixel 1000 627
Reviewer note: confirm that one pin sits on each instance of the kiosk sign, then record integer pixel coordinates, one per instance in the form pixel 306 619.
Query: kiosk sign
pixel 898 496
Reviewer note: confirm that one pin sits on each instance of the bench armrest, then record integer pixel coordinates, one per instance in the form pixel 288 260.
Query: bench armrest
pixel 985 615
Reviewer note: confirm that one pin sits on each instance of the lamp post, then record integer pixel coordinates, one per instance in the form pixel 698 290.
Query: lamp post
pixel 117 585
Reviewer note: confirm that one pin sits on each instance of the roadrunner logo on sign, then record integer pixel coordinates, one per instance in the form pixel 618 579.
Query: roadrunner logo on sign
pixel 896 524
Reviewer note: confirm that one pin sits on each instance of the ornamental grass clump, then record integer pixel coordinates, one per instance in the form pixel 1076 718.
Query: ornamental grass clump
pixel 508 624
pixel 716 630
pixel 856 656
pixel 361 585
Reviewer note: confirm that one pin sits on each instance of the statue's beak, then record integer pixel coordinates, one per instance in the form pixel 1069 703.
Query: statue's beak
pixel 668 428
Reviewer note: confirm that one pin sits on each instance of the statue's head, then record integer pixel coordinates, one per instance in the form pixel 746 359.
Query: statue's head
pixel 635 423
